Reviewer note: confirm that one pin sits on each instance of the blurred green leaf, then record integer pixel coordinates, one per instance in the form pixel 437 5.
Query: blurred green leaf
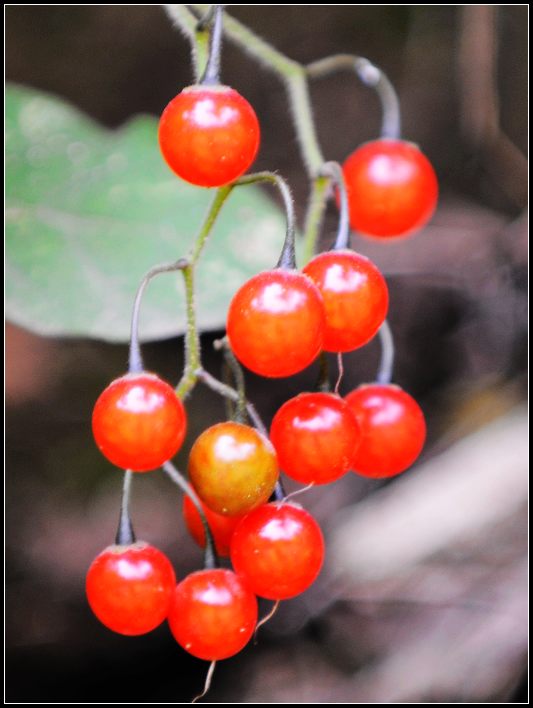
pixel 89 211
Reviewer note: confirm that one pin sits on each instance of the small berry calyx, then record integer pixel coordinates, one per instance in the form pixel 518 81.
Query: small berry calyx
pixel 138 422
pixel 129 588
pixel 233 468
pixel 315 436
pixel 209 135
pixel 392 188
pixel 393 429
pixel 355 294
pixel 275 323
pixel 212 614
pixel 221 527
pixel 278 549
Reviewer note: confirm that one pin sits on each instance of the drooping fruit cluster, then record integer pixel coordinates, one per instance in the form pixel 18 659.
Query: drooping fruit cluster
pixel 278 323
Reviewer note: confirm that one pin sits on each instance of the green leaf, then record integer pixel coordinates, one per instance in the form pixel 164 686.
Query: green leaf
pixel 89 211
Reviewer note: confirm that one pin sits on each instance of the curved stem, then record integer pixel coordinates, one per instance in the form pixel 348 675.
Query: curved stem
pixel 135 357
pixel 233 395
pixel 183 17
pixel 315 212
pixel 386 364
pixel 210 554
pixel 211 75
pixel 291 72
pixel 238 374
pixel 371 76
pixel 334 170
pixel 125 535
pixel 208 680
pixel 287 258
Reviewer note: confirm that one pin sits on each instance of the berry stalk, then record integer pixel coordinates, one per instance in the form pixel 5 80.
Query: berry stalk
pixel 210 555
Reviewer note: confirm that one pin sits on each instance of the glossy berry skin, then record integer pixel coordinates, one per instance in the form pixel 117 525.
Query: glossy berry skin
pixel 393 429
pixel 138 422
pixel 209 135
pixel 315 436
pixel 233 468
pixel 275 323
pixel 213 614
pixel 356 298
pixel 392 188
pixel 221 527
pixel 278 549
pixel 129 588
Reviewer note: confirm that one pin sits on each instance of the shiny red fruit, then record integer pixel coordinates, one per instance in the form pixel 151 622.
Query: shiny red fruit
pixel 213 614
pixel 393 429
pixel 315 436
pixel 276 323
pixel 278 549
pixel 356 298
pixel 209 136
pixel 392 188
pixel 129 588
pixel 221 527
pixel 138 422
pixel 233 468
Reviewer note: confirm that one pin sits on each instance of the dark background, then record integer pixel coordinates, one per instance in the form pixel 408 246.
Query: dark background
pixel 458 312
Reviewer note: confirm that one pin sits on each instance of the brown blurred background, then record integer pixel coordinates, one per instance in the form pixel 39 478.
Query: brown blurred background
pixel 424 594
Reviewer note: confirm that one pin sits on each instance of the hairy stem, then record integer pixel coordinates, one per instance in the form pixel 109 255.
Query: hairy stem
pixel 371 76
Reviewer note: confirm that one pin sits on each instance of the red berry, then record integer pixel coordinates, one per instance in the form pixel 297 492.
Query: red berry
pixel 315 436
pixel 209 136
pixel 393 429
pixel 276 322
pixel 278 549
pixel 392 188
pixel 129 588
pixel 233 468
pixel 213 614
pixel 138 422
pixel 356 298
pixel 221 527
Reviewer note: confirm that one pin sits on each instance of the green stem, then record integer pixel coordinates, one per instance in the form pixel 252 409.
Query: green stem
pixel 186 21
pixel 291 72
pixel 192 338
pixel 315 212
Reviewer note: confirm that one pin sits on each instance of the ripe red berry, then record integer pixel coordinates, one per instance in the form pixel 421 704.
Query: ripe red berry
pixel 356 298
pixel 233 468
pixel 393 429
pixel 392 188
pixel 278 549
pixel 209 136
pixel 129 588
pixel 276 323
pixel 212 614
pixel 138 422
pixel 221 527
pixel 315 436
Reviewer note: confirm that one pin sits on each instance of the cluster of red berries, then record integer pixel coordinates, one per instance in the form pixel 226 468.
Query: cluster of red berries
pixel 278 322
